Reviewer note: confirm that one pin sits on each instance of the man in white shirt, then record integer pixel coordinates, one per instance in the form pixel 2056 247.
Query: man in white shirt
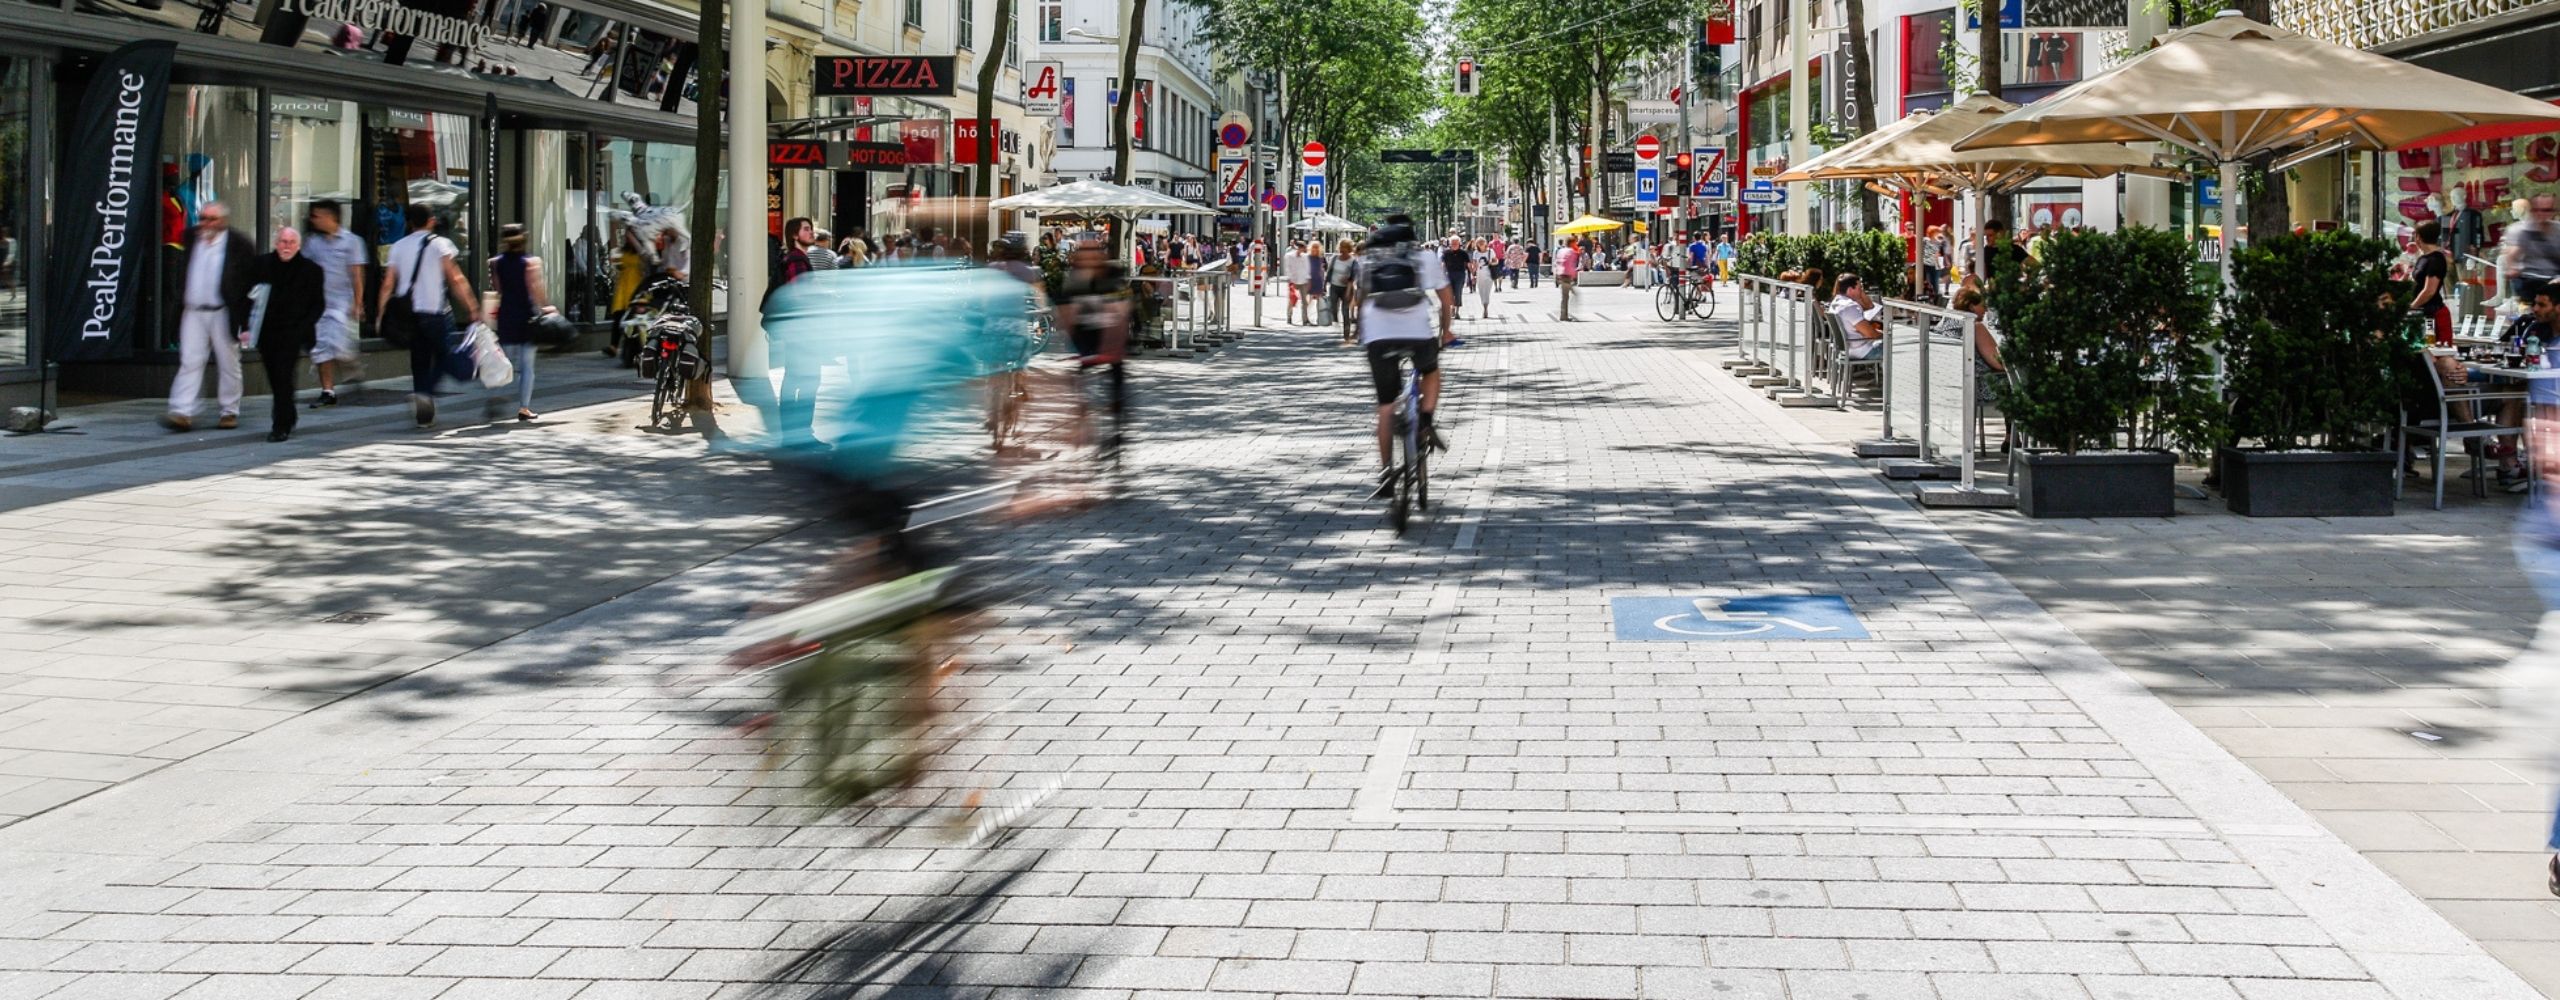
pixel 214 316
pixel 1856 312
pixel 1293 268
pixel 1410 311
pixel 423 268
pixel 341 256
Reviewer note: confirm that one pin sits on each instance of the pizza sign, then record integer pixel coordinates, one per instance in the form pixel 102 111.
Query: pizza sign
pixel 885 76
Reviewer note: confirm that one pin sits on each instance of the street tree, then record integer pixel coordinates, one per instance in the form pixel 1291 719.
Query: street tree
pixel 1348 71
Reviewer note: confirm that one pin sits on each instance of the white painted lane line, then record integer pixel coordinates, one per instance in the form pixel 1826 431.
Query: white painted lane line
pixel 1376 800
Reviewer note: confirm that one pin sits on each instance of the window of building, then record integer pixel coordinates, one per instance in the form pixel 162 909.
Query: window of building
pixel 968 24
pixel 915 13
pixel 17 109
pixel 1052 18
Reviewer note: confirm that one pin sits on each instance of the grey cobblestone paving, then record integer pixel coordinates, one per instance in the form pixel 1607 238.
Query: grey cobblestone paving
pixel 1258 748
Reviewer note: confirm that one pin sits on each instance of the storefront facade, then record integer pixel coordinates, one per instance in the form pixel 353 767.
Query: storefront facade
pixel 533 111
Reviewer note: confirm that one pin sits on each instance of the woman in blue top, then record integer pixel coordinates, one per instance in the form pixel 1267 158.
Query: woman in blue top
pixel 520 297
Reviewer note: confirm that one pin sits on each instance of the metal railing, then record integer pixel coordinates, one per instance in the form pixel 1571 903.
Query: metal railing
pixel 1778 327
pixel 2367 24
pixel 1931 396
pixel 1189 307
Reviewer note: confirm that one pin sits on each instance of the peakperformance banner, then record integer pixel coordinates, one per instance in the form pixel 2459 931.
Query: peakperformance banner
pixel 110 218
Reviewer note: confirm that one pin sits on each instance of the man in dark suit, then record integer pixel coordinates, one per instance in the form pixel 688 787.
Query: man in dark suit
pixel 297 294
pixel 220 267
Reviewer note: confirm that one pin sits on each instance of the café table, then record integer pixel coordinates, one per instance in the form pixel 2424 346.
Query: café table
pixel 2542 388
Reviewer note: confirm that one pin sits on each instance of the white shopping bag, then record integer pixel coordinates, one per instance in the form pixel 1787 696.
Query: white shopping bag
pixel 494 368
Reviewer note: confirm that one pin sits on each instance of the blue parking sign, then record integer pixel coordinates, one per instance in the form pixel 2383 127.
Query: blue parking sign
pixel 1313 197
pixel 1748 619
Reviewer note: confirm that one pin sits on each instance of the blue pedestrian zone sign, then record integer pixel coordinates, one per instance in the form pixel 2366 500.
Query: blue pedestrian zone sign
pixel 1648 185
pixel 1314 197
pixel 1752 619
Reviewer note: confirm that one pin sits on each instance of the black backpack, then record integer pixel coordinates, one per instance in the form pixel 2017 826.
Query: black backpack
pixel 1388 277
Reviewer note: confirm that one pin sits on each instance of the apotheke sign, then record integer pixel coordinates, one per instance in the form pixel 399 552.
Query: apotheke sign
pixel 386 17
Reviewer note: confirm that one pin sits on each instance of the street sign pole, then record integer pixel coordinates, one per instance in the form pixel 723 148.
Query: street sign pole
pixel 1687 85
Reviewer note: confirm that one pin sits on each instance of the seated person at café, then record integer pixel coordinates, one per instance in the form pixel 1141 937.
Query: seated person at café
pixel 1856 310
pixel 2542 321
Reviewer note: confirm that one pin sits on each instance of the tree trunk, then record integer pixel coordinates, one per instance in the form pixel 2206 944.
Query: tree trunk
pixel 990 69
pixel 2267 208
pixel 1996 207
pixel 1121 237
pixel 711 99
pixel 1862 98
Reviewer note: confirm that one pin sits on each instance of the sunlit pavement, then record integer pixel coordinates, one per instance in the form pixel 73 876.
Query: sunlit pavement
pixel 1244 741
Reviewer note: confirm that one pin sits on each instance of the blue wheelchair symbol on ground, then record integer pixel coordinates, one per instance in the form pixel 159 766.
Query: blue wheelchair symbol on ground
pixel 1755 619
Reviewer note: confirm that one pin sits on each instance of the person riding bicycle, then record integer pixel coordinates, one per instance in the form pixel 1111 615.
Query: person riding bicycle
pixel 1094 308
pixel 1402 294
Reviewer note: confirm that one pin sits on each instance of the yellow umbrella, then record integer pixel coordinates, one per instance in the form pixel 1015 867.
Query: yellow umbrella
pixel 1588 224
pixel 2232 88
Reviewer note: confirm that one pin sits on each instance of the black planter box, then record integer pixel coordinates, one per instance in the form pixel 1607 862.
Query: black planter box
pixel 2306 483
pixel 2116 484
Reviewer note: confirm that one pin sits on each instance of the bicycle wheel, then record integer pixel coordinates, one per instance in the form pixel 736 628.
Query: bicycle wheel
pixel 1666 302
pixel 1422 472
pixel 1703 305
pixel 666 407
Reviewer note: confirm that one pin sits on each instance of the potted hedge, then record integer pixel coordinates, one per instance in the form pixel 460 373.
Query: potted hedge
pixel 2106 343
pixel 2310 342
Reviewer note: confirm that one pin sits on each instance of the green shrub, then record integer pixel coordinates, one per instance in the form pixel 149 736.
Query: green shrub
pixel 2313 340
pixel 1880 258
pixel 2107 338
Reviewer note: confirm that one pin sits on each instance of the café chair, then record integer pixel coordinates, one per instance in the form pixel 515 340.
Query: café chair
pixel 2446 432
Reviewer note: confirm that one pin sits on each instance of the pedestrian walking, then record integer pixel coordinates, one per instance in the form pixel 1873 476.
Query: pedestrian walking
pixel 219 269
pixel 1515 259
pixel 423 275
pixel 288 326
pixel 1338 287
pixel 820 257
pixel 341 257
pixel 1454 265
pixel 521 297
pixel 1480 264
pixel 1294 271
pixel 1568 269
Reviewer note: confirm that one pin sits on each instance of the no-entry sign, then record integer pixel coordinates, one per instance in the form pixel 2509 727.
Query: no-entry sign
pixel 1312 155
pixel 1648 148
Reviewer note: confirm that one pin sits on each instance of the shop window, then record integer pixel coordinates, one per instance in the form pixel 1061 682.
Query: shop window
pixel 314 151
pixel 419 158
pixel 208 153
pixel 16 105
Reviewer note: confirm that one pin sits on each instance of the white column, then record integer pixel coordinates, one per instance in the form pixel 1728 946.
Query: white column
pixel 743 250
pixel 1799 112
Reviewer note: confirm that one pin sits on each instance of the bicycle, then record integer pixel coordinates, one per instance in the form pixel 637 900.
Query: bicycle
pixel 1693 296
pixel 670 352
pixel 1410 480
pixel 1009 385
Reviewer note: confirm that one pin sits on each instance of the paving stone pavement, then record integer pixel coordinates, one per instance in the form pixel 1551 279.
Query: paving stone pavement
pixel 2320 651
pixel 1247 744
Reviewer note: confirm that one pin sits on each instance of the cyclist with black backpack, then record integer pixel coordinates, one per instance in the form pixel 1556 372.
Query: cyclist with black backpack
pixel 1402 295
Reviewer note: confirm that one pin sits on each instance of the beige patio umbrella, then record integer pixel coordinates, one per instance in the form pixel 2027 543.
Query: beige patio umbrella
pixel 2232 88
pixel 1918 152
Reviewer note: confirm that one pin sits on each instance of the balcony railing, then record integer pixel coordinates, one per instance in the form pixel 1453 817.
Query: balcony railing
pixel 2367 24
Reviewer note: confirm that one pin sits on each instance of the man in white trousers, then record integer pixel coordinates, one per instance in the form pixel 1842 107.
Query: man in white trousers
pixel 213 316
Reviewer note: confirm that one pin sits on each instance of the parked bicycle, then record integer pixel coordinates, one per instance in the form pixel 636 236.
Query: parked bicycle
pixel 631 328
pixel 670 351
pixel 1691 296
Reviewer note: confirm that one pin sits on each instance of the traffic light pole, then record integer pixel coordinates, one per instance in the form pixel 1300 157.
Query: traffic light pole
pixel 1688 178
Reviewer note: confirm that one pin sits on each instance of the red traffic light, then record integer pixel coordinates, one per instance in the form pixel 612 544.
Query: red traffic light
pixel 1681 161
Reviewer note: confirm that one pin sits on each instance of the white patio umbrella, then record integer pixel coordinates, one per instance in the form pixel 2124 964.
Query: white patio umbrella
pixel 1327 222
pixel 2232 88
pixel 1098 198
pixel 1918 153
